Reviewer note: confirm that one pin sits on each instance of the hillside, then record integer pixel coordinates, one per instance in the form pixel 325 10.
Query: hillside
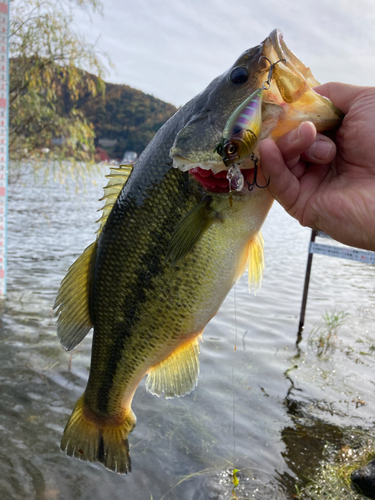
pixel 47 103
pixel 125 115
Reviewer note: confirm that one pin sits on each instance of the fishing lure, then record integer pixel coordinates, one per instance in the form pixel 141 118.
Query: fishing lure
pixel 241 134
pixel 235 178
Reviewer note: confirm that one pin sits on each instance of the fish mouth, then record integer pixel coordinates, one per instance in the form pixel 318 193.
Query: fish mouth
pixel 218 183
pixel 292 89
pixel 288 100
pixel 275 42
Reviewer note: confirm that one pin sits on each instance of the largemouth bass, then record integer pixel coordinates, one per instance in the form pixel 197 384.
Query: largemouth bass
pixel 171 245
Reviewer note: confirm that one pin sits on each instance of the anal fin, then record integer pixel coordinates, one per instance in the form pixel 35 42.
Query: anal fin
pixel 178 374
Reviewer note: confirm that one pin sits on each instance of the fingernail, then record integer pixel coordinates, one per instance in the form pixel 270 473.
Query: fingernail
pixel 321 150
pixel 295 134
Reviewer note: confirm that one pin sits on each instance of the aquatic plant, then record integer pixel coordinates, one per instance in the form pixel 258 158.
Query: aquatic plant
pixel 324 335
pixel 333 479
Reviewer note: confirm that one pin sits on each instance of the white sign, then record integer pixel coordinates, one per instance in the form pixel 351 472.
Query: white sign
pixel 343 252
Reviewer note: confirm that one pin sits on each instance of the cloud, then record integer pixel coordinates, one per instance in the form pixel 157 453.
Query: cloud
pixel 174 49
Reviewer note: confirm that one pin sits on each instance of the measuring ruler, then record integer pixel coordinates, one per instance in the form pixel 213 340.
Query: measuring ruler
pixel 349 253
pixel 344 253
pixel 4 114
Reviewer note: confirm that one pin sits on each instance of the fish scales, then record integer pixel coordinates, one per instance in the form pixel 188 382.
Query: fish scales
pixel 148 290
pixel 171 245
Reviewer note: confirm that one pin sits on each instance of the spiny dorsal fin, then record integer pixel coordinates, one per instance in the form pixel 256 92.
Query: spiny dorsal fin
pixel 117 178
pixel 255 263
pixel 72 301
pixel 178 374
pixel 190 230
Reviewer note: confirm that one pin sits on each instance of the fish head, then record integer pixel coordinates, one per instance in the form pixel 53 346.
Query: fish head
pixel 288 99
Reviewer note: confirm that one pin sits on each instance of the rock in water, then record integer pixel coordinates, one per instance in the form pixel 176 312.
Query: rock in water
pixel 364 480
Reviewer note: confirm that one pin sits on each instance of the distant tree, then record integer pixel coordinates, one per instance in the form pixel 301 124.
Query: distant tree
pixel 46 58
pixel 127 115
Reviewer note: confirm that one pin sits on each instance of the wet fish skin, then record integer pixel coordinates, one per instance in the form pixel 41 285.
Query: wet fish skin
pixel 289 100
pixel 168 253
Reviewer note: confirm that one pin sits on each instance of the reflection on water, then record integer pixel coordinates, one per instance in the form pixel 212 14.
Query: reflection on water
pixel 262 406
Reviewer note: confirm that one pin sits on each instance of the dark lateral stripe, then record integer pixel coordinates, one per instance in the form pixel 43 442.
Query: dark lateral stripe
pixel 155 259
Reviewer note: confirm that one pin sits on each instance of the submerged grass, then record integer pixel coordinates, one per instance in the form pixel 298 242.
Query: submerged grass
pixel 337 451
pixel 324 335
pixel 333 479
pixel 224 482
pixel 187 478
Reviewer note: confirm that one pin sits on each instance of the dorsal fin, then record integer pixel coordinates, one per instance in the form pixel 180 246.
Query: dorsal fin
pixel 72 301
pixel 117 178
pixel 255 262
pixel 178 374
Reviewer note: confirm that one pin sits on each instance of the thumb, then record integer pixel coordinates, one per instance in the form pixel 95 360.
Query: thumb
pixel 342 95
pixel 284 186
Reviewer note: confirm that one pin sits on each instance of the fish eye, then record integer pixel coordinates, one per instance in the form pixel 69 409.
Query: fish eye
pixel 239 75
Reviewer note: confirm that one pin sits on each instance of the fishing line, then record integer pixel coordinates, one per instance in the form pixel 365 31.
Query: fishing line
pixel 233 386
pixel 234 419
pixel 235 343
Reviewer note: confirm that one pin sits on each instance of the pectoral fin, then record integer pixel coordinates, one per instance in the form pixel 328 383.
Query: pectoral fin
pixel 190 230
pixel 178 374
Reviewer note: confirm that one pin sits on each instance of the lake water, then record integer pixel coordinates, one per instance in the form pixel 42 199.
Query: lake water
pixel 276 412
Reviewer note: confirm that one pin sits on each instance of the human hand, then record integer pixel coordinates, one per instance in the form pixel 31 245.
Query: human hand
pixel 329 185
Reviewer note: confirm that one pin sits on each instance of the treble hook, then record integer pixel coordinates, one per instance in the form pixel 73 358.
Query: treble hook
pixel 250 185
pixel 266 85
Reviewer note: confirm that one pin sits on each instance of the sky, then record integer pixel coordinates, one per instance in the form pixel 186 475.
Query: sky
pixel 173 49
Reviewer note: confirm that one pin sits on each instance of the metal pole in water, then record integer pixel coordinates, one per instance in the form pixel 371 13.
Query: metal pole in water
pixel 306 288
pixel 4 130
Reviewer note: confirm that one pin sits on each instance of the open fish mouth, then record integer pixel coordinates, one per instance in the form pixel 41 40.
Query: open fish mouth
pixel 288 100
pixel 291 89
pixel 281 50
pixel 219 183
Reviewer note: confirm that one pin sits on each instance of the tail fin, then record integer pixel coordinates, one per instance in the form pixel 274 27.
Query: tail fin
pixel 93 441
